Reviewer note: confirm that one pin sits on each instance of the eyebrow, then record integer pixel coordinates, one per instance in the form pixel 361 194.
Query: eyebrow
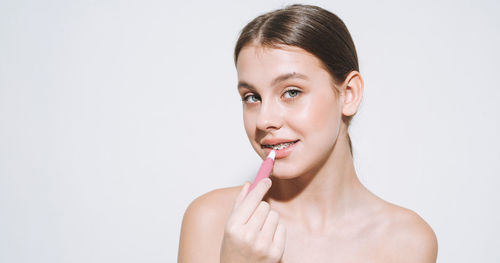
pixel 277 80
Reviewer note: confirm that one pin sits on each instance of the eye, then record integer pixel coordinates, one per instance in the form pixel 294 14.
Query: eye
pixel 291 93
pixel 251 98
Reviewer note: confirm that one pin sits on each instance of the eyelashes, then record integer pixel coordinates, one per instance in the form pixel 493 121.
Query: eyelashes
pixel 250 98
pixel 288 95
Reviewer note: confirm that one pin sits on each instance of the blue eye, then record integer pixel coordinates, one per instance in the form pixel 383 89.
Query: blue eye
pixel 251 98
pixel 290 94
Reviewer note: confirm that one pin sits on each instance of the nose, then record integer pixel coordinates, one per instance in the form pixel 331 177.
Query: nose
pixel 269 117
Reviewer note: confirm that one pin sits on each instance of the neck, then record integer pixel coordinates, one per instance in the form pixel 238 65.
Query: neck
pixel 328 193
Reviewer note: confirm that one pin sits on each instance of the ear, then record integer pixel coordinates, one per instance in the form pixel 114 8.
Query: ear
pixel 352 91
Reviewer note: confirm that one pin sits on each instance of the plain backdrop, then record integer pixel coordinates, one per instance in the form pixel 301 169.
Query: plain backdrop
pixel 115 115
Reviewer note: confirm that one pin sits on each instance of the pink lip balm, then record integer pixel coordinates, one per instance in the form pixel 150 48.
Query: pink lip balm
pixel 265 169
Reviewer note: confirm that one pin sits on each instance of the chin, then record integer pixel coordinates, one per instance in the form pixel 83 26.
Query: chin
pixel 285 171
pixel 284 176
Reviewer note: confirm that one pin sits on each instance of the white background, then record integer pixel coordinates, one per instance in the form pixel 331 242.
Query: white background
pixel 115 115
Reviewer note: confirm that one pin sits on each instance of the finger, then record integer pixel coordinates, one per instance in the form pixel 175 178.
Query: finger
pixel 278 245
pixel 241 195
pixel 258 218
pixel 248 205
pixel 269 227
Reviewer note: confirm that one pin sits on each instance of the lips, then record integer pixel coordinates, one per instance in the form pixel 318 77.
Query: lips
pixel 283 147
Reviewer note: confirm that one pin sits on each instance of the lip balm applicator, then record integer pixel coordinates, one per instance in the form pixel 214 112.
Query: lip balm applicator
pixel 265 169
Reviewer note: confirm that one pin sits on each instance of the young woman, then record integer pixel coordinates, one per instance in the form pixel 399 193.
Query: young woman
pixel 299 81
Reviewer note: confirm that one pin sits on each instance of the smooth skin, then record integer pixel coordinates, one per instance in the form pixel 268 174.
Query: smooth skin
pixel 314 208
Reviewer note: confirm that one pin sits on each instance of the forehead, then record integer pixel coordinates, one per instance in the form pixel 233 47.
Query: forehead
pixel 261 62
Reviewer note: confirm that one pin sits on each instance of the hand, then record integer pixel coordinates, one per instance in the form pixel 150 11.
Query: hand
pixel 253 232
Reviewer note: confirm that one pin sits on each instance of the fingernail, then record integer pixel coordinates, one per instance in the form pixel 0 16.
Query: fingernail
pixel 268 181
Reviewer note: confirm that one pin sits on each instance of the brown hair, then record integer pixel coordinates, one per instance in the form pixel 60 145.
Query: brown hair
pixel 311 28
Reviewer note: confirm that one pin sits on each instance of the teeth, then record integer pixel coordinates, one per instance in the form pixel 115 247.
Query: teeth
pixel 280 146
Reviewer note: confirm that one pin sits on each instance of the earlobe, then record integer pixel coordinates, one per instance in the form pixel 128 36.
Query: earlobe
pixel 353 93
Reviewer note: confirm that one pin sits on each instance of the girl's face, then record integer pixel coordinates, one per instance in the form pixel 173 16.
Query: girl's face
pixel 289 104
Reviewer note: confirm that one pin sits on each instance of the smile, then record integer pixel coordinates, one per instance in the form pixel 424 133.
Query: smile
pixel 279 146
pixel 282 147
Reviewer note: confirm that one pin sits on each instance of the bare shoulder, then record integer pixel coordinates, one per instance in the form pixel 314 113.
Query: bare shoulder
pixel 406 236
pixel 203 225
pixel 214 204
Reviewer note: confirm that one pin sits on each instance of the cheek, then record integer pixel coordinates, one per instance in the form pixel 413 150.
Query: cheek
pixel 317 115
pixel 327 117
pixel 249 123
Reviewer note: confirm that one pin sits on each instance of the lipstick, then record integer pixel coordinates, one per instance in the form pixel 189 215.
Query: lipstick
pixel 265 169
